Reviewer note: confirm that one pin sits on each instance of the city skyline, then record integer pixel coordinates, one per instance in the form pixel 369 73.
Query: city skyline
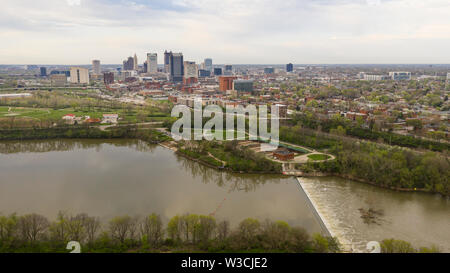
pixel 237 32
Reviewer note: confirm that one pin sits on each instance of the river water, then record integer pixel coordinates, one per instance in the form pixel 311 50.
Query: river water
pixel 419 218
pixel 108 178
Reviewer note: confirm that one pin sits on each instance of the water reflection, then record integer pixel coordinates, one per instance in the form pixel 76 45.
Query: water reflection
pixel 53 145
pixel 107 178
pixel 231 181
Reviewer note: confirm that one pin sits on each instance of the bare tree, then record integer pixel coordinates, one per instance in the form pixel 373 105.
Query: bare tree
pixel 123 228
pixel 58 229
pixel 223 230
pixel 92 226
pixel 32 227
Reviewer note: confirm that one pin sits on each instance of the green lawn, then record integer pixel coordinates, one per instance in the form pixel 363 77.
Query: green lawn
pixel 50 114
pixel 44 114
pixel 318 157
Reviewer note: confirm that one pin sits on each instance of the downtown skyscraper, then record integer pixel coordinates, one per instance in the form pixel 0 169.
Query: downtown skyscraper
pixel 96 68
pixel 167 61
pixel 176 67
pixel 128 64
pixel 208 64
pixel 152 62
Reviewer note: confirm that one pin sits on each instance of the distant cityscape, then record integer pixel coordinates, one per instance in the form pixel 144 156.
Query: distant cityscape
pixel 293 87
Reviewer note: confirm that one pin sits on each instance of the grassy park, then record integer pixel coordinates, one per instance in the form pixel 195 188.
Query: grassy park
pixel 318 157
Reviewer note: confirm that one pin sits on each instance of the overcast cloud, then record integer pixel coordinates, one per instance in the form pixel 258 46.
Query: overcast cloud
pixel 233 31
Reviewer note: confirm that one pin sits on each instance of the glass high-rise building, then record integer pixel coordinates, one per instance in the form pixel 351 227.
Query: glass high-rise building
pixel 128 64
pixel 228 70
pixel 208 64
pixel 217 71
pixel 176 67
pixel 167 61
pixel 289 67
pixel 43 71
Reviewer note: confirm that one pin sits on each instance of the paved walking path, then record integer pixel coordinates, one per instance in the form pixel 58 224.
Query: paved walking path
pixel 104 127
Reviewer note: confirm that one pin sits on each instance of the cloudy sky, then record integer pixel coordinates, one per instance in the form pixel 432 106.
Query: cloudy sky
pixel 229 31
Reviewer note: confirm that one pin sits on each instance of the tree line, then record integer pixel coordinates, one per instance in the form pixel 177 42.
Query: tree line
pixel 84 131
pixel 387 166
pixel 34 233
pixel 189 232
pixel 311 121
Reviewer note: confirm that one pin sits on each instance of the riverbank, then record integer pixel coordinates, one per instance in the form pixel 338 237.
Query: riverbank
pixel 237 160
pixel 118 235
pixel 219 166
pixel 151 173
pixel 359 180
pixel 84 132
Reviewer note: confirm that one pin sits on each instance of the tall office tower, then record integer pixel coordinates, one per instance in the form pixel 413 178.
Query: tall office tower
pixel 146 67
pixel 228 70
pixel 176 67
pixel 152 62
pixel 96 69
pixel 167 61
pixel 217 71
pixel 289 67
pixel 208 64
pixel 43 72
pixel 128 64
pixel 108 78
pixel 448 76
pixel 79 75
pixel 135 64
pixel 190 72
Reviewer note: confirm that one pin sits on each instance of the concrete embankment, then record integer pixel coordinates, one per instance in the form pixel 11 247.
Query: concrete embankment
pixel 327 229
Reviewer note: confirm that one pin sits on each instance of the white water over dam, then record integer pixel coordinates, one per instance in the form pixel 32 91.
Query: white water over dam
pixel 419 218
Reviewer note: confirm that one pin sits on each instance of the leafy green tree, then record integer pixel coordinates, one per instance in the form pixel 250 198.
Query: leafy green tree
pixel 152 228
pixel 174 228
pixel 248 229
pixel 396 246
pixel 8 227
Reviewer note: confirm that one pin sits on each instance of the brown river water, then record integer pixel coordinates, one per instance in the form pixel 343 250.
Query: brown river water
pixel 109 178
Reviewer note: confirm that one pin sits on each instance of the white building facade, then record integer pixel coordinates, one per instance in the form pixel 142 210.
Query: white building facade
pixel 190 70
pixel 152 62
pixel 79 75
